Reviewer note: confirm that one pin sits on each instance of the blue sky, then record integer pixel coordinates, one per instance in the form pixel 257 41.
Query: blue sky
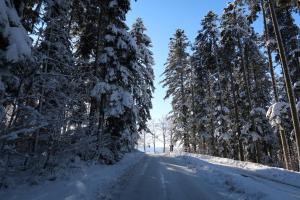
pixel 162 18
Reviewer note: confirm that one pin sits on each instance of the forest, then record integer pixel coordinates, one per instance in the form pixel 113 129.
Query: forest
pixel 74 81
pixel 77 82
pixel 236 93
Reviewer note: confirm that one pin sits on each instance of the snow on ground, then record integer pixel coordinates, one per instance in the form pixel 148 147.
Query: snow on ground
pixel 244 180
pixel 90 182
pixel 150 150
pixel 214 176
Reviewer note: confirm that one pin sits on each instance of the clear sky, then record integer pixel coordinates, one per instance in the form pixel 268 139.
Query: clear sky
pixel 162 18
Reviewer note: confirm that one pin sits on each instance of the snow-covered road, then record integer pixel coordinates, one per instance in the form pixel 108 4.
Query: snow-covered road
pixel 162 178
pixel 159 177
pixel 179 176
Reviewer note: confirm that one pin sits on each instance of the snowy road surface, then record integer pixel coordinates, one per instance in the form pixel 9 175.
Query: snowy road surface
pixel 159 177
pixel 180 176
pixel 162 178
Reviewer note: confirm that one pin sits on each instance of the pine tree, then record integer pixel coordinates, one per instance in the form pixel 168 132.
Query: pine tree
pixel 234 30
pixel 15 73
pixel 52 84
pixel 145 78
pixel 257 75
pixel 287 77
pixel 207 46
pixel 175 78
pixel 30 13
pixel 193 108
pixel 290 36
pixel 83 88
pixel 243 71
pixel 198 103
pixel 113 92
pixel 270 43
pixel 282 133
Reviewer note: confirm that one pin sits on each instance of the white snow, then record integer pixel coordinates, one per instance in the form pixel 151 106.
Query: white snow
pixel 233 179
pixel 121 44
pixel 254 136
pixel 113 4
pixel 89 182
pixel 19 47
pixel 258 110
pixel 271 42
pixel 19 43
pixel 110 38
pixel 244 180
pixel 99 89
pixel 276 109
pixel 296 84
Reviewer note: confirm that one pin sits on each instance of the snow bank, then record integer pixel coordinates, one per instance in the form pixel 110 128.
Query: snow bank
pixel 244 180
pixel 90 182
pixel 272 173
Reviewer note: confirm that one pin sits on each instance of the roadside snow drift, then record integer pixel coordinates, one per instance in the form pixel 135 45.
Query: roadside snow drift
pixel 244 180
pixel 89 183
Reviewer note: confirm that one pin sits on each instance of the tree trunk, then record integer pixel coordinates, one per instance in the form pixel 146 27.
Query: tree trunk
pixel 194 141
pixel 145 141
pixel 244 63
pixel 219 83
pixel 40 107
pixel 164 141
pixel 244 68
pixel 171 141
pixel 211 118
pixel 154 143
pixel 236 116
pixel 184 111
pixel 285 149
pixel 96 110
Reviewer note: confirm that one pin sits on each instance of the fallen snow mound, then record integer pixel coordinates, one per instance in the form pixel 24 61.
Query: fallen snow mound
pixel 90 182
pixel 272 173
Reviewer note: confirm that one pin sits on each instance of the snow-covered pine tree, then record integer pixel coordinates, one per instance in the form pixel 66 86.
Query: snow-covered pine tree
pixel 290 39
pixel 52 85
pixel 260 88
pixel 270 44
pixel 236 31
pixel 30 13
pixel 85 70
pixel 91 20
pixel 145 78
pixel 117 69
pixel 197 102
pixel 15 44
pixel 86 22
pixel 279 131
pixel 175 77
pixel 279 115
pixel 192 102
pixel 15 70
pixel 290 35
pixel 207 44
pixel 90 27
pixel 19 119
pixel 287 76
